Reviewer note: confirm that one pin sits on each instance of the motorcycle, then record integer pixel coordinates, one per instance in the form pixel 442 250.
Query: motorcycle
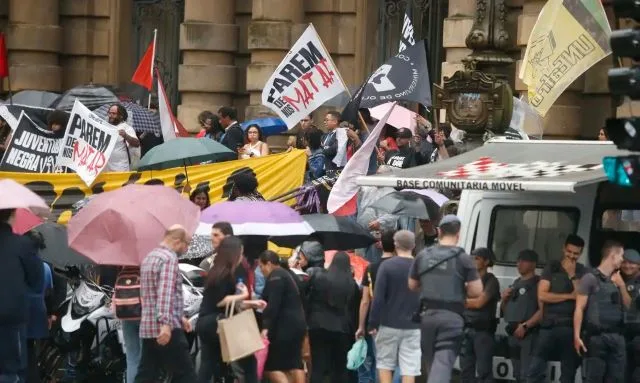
pixel 88 339
pixel 87 343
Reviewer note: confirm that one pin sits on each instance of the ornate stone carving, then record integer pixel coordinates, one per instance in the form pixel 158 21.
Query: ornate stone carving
pixel 393 8
pixel 475 102
pixel 489 32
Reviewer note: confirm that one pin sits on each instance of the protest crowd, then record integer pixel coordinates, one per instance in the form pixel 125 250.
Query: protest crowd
pixel 218 257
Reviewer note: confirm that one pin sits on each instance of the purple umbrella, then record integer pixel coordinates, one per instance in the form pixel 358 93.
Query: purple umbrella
pixel 255 218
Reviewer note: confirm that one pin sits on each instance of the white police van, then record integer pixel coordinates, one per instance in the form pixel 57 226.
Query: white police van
pixel 530 194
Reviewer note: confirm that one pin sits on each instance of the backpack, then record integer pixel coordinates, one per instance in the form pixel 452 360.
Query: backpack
pixel 126 294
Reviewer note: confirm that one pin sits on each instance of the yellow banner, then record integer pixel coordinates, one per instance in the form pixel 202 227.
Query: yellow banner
pixel 567 39
pixel 277 174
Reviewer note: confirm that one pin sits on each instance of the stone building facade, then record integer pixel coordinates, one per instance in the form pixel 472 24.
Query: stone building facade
pixel 221 52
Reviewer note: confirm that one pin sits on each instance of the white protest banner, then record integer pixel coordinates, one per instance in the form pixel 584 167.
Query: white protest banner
pixel 304 80
pixel 88 143
pixel 32 149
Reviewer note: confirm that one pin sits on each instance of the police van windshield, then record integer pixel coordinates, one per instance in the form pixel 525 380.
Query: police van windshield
pixel 543 229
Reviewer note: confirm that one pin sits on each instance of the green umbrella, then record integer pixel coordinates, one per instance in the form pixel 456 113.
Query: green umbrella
pixel 184 152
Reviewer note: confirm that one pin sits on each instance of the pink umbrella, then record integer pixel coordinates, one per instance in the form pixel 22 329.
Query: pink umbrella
pixel 400 117
pixel 15 196
pixel 24 221
pixel 121 227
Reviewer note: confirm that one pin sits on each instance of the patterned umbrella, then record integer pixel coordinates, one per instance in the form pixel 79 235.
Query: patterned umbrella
pixel 200 247
pixel 140 118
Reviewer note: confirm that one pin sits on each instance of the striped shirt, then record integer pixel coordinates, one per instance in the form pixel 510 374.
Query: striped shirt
pixel 161 292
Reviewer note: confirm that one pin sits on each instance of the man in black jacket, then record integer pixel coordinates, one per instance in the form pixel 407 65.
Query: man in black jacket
pixel 233 136
pixel 21 270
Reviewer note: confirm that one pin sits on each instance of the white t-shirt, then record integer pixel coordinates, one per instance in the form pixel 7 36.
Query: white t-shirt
pixel 119 160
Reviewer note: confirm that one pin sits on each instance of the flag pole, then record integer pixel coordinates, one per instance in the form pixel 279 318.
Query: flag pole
pixel 340 77
pixel 9 85
pixel 153 59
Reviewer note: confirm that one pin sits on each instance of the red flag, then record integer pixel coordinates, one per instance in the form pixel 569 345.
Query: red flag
pixel 144 73
pixel 4 59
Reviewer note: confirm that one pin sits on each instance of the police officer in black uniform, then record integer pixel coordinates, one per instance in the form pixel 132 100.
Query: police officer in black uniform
pixel 445 276
pixel 480 322
pixel 556 292
pixel 631 274
pixel 522 314
pixel 598 318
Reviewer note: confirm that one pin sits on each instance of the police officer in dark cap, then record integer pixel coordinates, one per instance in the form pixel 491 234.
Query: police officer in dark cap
pixel 445 276
pixel 598 318
pixel 556 291
pixel 480 322
pixel 522 313
pixel 630 271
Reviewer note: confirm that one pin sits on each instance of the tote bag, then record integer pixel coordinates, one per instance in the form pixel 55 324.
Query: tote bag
pixel 239 334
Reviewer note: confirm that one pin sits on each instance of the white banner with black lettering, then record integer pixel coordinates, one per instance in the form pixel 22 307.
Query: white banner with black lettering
pixel 304 80
pixel 88 143
pixel 32 149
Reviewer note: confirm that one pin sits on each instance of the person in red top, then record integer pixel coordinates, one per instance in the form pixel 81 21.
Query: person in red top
pixel 210 125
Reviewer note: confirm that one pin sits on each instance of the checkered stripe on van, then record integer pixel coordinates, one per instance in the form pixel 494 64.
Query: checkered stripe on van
pixel 486 167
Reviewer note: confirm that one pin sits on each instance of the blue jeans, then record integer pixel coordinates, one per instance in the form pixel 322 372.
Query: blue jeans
pixel 367 371
pixel 133 347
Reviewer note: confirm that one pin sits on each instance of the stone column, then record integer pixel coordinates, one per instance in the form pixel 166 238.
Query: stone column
pixel 456 27
pixel 34 40
pixel 271 34
pixel 208 42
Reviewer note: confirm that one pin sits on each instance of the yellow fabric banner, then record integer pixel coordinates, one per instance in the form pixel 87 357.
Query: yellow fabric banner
pixel 277 174
pixel 568 38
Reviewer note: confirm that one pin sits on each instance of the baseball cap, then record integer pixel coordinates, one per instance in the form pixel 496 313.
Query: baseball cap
pixel 404 133
pixel 449 218
pixel 485 253
pixel 631 255
pixel 528 255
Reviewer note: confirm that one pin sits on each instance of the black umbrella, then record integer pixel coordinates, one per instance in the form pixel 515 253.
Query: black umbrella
pixel 37 98
pixel 57 250
pixel 408 204
pixel 91 96
pixel 335 233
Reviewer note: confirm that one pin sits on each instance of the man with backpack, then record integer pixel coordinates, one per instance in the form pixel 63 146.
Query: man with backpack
pixel 128 308
pixel 445 276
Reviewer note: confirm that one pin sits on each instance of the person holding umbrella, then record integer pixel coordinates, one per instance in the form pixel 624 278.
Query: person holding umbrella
pixel 21 272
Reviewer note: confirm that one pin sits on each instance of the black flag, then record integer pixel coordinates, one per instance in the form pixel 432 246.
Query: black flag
pixel 404 77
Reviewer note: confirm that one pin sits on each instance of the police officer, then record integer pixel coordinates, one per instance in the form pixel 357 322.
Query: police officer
pixel 600 304
pixel 440 273
pixel 522 314
pixel 556 292
pixel 631 274
pixel 480 323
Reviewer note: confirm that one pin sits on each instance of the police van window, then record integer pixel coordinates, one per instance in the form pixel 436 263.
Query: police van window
pixel 621 220
pixel 543 229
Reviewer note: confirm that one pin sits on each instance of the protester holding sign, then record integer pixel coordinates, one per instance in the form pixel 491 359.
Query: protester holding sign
pixel 127 148
pixel 57 122
pixel 88 143
pixel 31 148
